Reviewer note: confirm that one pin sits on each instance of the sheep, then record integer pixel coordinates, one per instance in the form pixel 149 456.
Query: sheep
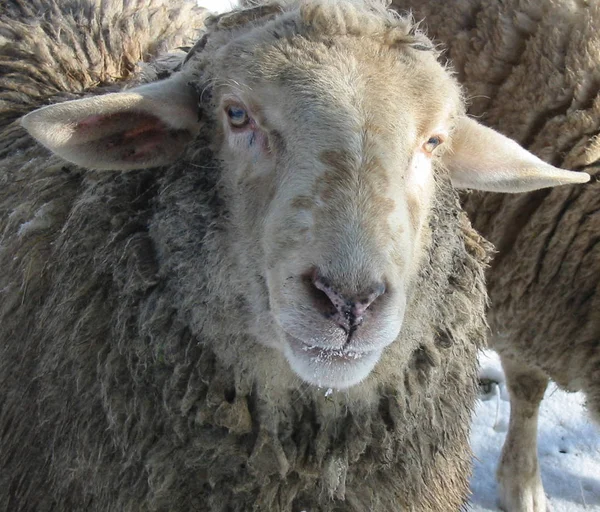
pixel 248 285
pixel 532 70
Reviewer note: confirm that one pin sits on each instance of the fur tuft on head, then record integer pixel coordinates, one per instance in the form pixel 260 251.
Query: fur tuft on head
pixel 321 20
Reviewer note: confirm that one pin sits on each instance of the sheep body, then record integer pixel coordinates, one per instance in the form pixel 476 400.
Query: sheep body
pixel 531 70
pixel 168 328
pixel 119 395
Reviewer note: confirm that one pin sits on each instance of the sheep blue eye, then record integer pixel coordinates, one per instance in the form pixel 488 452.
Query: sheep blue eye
pixel 432 143
pixel 238 117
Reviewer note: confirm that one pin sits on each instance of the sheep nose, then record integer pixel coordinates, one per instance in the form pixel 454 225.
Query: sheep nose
pixel 349 310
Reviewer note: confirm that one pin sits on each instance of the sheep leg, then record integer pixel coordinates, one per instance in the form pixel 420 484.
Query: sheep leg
pixel 519 480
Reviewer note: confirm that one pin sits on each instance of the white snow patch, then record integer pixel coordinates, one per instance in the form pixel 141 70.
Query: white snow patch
pixel 218 6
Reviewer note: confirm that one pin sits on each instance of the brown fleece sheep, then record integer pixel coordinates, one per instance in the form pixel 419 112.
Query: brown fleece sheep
pixel 288 222
pixel 532 71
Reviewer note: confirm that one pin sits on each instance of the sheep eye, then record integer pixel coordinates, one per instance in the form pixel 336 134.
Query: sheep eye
pixel 432 143
pixel 238 117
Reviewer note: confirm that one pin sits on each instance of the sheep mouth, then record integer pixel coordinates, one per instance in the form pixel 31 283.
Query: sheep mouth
pixel 336 368
pixel 324 354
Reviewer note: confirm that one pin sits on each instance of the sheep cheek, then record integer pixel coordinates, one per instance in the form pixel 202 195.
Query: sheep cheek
pixel 251 143
pixel 419 189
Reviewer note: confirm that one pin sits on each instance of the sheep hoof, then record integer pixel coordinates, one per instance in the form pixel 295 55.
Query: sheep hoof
pixel 522 495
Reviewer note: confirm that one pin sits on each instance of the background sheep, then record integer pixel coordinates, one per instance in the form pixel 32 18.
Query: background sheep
pixel 151 321
pixel 532 70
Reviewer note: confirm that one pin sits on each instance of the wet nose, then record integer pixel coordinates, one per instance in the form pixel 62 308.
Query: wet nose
pixel 348 309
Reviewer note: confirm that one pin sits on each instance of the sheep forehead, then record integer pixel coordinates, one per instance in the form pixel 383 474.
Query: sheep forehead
pixel 296 42
pixel 347 90
pixel 341 65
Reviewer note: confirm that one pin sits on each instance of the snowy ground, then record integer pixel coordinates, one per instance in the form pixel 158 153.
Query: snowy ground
pixel 569 444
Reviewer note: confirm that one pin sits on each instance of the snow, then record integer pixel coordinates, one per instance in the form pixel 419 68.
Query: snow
pixel 569 444
pixel 217 6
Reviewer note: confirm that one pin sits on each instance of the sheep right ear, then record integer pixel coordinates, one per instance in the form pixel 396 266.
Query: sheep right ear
pixel 483 159
pixel 148 126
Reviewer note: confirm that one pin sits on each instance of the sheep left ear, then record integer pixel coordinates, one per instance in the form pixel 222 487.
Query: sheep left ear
pixel 483 159
pixel 148 126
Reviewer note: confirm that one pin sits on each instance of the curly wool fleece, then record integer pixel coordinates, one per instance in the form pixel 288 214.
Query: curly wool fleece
pixel 130 382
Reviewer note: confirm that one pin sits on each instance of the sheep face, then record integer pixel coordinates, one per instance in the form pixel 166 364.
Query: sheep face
pixel 331 123
pixel 330 154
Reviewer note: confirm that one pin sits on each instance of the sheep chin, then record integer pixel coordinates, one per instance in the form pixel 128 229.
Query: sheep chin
pixel 329 368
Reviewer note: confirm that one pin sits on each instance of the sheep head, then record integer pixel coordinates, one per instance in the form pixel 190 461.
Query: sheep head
pixel 333 124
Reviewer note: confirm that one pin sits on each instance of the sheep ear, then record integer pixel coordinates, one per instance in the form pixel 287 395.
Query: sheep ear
pixel 143 127
pixel 483 159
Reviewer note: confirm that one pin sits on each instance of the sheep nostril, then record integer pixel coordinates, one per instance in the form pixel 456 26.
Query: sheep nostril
pixel 319 299
pixel 347 311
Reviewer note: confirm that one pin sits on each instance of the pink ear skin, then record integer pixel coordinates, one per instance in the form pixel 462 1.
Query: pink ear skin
pixel 130 137
pixel 92 121
pixel 135 135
